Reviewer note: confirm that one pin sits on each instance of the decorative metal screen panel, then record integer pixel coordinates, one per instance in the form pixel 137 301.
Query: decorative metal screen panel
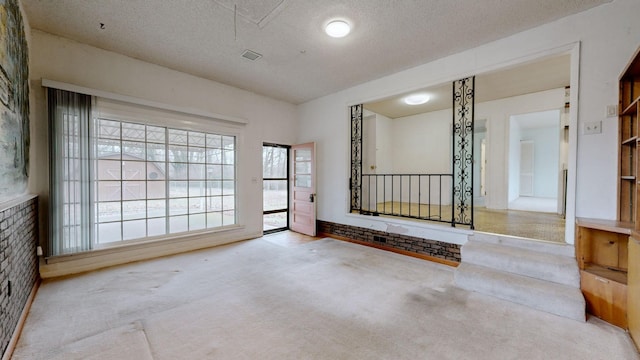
pixel 356 157
pixel 463 114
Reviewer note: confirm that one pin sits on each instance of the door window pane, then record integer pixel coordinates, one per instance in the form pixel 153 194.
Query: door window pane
pixel 274 162
pixel 274 221
pixel 303 181
pixel 303 155
pixel 275 194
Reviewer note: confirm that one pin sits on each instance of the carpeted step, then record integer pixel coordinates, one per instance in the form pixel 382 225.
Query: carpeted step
pixel 548 247
pixel 540 265
pixel 554 298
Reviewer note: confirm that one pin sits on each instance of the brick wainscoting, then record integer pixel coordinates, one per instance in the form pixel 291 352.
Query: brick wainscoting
pixel 450 253
pixel 18 263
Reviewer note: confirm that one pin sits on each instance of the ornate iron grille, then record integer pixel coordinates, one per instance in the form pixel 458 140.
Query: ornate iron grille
pixel 463 115
pixel 355 183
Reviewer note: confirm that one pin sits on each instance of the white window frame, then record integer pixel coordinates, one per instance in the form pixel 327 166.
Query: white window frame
pixel 121 111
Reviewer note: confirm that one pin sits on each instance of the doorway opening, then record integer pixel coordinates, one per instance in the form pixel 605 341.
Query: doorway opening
pixel 275 187
pixel 535 174
pixel 404 142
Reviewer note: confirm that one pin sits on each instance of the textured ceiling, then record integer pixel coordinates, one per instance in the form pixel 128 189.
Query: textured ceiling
pixel 206 37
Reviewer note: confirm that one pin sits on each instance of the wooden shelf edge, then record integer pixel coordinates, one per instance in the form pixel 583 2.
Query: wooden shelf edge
pixel 630 141
pixel 619 227
pixel 627 177
pixel 615 275
pixel 632 108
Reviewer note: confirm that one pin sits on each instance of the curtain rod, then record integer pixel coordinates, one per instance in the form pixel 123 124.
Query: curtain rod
pixel 134 100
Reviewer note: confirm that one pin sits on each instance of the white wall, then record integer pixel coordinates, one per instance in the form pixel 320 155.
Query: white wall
pixel 63 60
pixel 422 143
pixel 608 37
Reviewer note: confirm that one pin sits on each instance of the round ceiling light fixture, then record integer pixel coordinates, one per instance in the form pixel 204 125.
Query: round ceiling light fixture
pixel 416 99
pixel 338 28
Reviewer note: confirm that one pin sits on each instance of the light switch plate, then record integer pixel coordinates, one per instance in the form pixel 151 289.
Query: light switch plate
pixel 612 110
pixel 591 128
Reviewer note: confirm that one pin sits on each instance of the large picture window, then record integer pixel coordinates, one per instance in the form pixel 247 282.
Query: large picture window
pixel 153 180
pixel 145 174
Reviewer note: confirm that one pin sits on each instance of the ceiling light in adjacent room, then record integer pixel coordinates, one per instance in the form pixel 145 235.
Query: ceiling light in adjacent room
pixel 337 28
pixel 416 99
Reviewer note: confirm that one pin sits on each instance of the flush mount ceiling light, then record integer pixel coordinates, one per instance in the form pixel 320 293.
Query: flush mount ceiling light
pixel 337 28
pixel 416 99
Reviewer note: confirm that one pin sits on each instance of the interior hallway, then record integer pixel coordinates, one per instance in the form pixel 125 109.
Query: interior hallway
pixel 285 296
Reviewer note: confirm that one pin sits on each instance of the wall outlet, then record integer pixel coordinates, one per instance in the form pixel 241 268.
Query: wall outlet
pixel 594 127
pixel 612 110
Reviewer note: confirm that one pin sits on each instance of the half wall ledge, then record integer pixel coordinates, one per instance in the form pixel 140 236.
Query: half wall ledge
pixel 433 250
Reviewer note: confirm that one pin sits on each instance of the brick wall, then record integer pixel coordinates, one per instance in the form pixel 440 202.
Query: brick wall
pixel 412 244
pixel 18 263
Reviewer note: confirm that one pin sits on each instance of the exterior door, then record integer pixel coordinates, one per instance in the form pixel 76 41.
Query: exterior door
pixel 303 189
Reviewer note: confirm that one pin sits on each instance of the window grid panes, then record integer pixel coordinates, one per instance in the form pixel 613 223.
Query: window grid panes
pixel 153 181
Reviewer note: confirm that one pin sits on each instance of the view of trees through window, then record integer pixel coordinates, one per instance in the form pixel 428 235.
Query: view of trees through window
pixel 152 181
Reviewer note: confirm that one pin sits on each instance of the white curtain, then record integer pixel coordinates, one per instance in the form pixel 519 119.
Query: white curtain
pixel 69 168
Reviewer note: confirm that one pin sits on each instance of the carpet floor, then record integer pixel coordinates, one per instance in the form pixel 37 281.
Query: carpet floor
pixel 325 299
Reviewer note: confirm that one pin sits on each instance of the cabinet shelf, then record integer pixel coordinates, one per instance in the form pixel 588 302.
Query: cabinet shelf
pixel 632 108
pixel 630 141
pixel 627 178
pixel 609 273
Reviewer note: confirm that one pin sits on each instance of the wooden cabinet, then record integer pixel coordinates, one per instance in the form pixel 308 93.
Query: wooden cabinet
pixel 602 255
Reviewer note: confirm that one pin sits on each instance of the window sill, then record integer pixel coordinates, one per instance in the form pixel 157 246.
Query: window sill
pixel 62 265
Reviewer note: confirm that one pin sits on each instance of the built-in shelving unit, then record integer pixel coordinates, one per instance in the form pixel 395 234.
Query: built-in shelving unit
pixel 628 137
pixel 629 124
pixel 608 252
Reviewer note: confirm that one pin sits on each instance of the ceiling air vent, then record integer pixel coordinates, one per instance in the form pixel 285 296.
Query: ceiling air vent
pixel 251 55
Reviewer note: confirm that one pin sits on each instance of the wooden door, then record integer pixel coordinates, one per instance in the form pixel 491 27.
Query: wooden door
pixel 303 189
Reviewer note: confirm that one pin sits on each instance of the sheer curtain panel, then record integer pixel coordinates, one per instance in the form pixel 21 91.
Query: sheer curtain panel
pixel 70 173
